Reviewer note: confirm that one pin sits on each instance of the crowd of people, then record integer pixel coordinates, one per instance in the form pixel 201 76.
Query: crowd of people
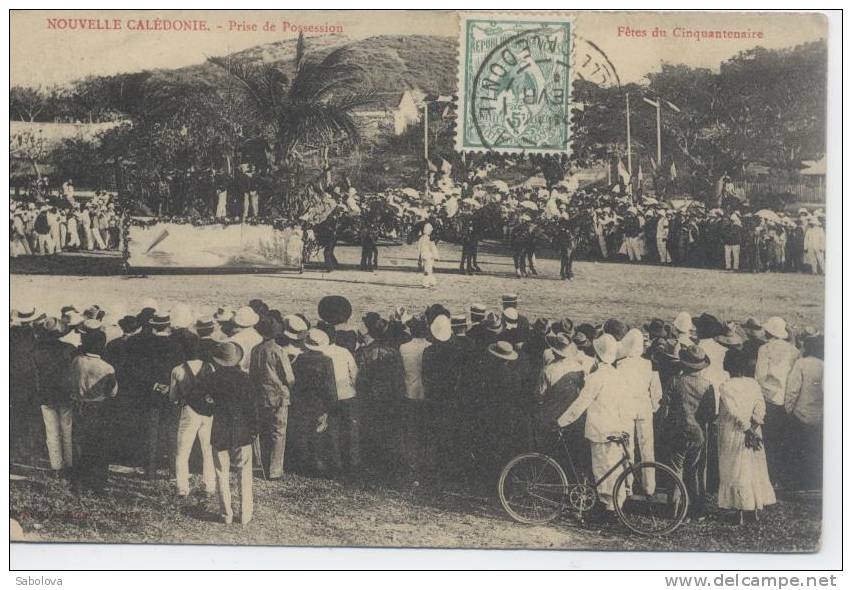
pixel 47 224
pixel 597 222
pixel 416 395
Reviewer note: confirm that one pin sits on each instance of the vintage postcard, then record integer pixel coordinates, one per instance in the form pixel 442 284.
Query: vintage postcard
pixel 486 279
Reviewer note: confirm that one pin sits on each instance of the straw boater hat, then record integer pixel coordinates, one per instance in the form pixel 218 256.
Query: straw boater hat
pixel 226 354
pixel 510 317
pixel 493 323
pixel 509 300
pixel 777 327
pixel 316 340
pixel 606 348
pixel 441 329
pixel 92 325
pixel 24 316
pixel 477 313
pixel 245 317
pixel 693 358
pixel 181 316
pixel 160 320
pixel 205 326
pixel 458 322
pixel 294 327
pixel 503 350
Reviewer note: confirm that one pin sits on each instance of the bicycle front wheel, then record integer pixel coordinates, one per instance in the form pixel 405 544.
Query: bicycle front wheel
pixel 651 499
pixel 532 488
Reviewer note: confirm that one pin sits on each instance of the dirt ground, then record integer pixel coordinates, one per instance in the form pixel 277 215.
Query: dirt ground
pixel 351 511
pixel 635 293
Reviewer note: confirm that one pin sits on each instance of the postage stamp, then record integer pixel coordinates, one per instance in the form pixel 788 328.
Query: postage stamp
pixel 515 74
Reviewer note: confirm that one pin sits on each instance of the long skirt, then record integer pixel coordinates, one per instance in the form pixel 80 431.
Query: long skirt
pixel 743 474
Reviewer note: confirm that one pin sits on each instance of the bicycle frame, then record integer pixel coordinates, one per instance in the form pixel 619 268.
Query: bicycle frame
pixel 625 463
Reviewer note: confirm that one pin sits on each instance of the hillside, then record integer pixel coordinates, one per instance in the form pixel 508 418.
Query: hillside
pixel 391 62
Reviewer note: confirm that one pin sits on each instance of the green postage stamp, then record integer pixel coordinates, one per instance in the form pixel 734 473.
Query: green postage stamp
pixel 515 75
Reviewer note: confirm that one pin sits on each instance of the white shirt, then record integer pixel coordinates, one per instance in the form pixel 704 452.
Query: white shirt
pixel 345 370
pixel 804 390
pixel 412 364
pixel 644 391
pixel 774 361
pixel 602 398
pixel 427 248
pixel 247 338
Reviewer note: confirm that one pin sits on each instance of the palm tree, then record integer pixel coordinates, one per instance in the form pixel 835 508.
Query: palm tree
pixel 315 107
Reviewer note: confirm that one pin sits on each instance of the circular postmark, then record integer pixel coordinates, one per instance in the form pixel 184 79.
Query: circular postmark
pixel 593 65
pixel 521 92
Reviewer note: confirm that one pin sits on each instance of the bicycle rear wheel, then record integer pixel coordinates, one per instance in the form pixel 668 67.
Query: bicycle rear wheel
pixel 532 488
pixel 652 499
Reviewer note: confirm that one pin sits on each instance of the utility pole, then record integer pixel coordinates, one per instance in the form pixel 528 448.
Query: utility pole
pixel 659 138
pixel 658 104
pixel 426 140
pixel 629 150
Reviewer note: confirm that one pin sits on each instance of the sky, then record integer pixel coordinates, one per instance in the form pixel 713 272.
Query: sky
pixel 44 56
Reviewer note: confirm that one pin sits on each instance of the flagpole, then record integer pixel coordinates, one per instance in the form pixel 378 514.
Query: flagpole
pixel 629 151
pixel 426 140
pixel 659 142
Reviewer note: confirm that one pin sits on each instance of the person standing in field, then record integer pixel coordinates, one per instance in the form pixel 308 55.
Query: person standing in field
pixel 272 377
pixel 93 385
pixel 234 428
pixel 775 360
pixel 428 252
pixel 743 475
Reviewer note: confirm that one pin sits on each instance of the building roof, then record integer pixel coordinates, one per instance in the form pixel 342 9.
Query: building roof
pixel 382 101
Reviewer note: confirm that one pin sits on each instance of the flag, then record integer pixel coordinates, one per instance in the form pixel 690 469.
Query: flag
pixel 163 235
pixel 623 175
pixel 673 171
pixel 446 167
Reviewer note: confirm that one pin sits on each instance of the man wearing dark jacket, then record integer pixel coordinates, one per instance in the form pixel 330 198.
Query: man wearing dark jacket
pixel 155 355
pixel 380 386
pixel 313 397
pixel 441 368
pixel 234 428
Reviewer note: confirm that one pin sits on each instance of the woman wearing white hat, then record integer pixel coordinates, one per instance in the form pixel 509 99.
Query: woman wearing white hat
pixel 775 360
pixel 602 400
pixel 428 255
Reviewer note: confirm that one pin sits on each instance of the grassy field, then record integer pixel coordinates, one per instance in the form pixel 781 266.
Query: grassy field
pixel 359 511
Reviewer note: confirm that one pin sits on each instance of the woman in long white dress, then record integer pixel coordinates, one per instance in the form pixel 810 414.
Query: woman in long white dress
pixel 743 475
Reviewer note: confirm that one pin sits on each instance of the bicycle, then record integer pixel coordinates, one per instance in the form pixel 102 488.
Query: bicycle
pixel 649 497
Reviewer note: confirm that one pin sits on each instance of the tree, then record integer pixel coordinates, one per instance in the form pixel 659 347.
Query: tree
pixel 315 107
